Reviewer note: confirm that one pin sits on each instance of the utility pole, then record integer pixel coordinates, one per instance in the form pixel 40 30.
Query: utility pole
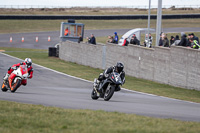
pixel 149 15
pixel 159 21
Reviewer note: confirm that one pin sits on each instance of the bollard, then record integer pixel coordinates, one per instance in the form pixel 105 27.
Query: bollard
pixel 10 39
pixel 22 39
pixel 36 39
pixel 49 38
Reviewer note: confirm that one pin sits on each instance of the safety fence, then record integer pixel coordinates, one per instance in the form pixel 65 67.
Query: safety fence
pixel 78 17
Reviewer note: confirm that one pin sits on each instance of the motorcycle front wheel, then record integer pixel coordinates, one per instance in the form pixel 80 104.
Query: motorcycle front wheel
pixel 15 86
pixel 94 95
pixel 109 92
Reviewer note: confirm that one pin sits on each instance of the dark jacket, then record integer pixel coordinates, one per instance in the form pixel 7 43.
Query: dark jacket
pixel 160 42
pixel 111 69
pixel 92 40
pixel 166 42
pixel 196 38
pixel 183 41
pixel 135 41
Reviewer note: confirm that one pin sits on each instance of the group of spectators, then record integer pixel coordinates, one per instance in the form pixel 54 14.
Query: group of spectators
pixel 186 41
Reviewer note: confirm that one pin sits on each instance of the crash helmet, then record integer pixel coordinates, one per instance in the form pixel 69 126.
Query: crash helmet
pixel 119 67
pixel 28 62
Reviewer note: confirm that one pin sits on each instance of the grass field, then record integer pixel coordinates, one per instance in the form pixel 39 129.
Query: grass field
pixel 26 118
pixel 93 11
pixel 17 26
pixel 89 73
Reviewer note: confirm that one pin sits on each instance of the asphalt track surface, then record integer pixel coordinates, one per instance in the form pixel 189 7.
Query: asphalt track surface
pixel 50 88
pixel 30 38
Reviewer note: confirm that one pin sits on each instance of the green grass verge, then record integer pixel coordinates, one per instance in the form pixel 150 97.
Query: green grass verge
pixel 18 26
pixel 89 73
pixel 93 11
pixel 26 118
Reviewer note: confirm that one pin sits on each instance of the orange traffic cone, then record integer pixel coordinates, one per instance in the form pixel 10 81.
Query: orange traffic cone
pixel 36 39
pixel 49 38
pixel 10 39
pixel 22 39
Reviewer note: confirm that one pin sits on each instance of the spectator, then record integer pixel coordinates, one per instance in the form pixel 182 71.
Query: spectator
pixel 194 43
pixel 111 39
pixel 165 40
pixel 172 40
pixel 194 37
pixel 134 40
pixel 160 41
pixel 177 40
pixel 183 41
pixel 148 39
pixel 125 43
pixel 189 43
pixel 92 39
pixel 67 32
pixel 116 38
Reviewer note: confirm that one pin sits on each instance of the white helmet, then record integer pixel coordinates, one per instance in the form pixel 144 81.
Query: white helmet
pixel 28 62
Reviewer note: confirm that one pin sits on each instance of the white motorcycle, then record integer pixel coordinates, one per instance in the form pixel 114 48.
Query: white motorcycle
pixel 21 73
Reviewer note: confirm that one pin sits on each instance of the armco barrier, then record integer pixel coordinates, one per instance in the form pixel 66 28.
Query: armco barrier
pixel 105 17
pixel 177 66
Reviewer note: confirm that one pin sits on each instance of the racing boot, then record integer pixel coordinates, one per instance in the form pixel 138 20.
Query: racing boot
pixel 6 77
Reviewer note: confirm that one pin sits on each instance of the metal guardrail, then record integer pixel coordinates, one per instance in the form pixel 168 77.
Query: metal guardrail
pixel 113 17
pixel 135 6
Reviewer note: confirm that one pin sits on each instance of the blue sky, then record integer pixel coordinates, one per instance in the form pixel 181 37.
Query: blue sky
pixel 71 3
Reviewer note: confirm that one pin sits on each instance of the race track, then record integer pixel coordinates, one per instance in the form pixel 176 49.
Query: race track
pixel 29 38
pixel 50 88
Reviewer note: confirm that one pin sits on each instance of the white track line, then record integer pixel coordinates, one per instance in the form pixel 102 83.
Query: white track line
pixel 92 82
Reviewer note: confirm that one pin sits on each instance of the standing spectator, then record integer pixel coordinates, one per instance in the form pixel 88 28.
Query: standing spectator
pixel 189 43
pixel 134 40
pixel 160 41
pixel 92 39
pixel 165 40
pixel 111 39
pixel 67 32
pixel 177 41
pixel 183 41
pixel 116 38
pixel 172 40
pixel 150 39
pixel 194 37
pixel 125 43
pixel 194 43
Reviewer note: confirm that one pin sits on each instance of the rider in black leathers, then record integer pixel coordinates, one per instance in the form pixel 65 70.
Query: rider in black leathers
pixel 117 68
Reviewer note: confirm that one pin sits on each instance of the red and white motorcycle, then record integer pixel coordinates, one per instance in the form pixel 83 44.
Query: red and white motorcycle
pixel 12 84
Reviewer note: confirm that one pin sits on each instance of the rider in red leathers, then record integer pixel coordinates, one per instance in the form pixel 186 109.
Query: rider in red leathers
pixel 28 63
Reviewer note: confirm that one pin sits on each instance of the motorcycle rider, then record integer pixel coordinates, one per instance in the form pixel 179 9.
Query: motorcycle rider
pixel 28 63
pixel 117 68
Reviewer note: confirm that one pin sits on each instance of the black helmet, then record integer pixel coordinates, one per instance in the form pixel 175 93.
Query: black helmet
pixel 119 67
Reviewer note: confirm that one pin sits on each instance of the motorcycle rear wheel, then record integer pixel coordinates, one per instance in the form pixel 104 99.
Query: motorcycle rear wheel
pixel 109 92
pixel 3 88
pixel 94 95
pixel 15 86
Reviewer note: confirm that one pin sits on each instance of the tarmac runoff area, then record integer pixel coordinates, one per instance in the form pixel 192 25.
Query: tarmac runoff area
pixel 51 88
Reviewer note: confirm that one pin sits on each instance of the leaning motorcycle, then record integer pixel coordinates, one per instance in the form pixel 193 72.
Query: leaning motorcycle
pixel 19 74
pixel 107 87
